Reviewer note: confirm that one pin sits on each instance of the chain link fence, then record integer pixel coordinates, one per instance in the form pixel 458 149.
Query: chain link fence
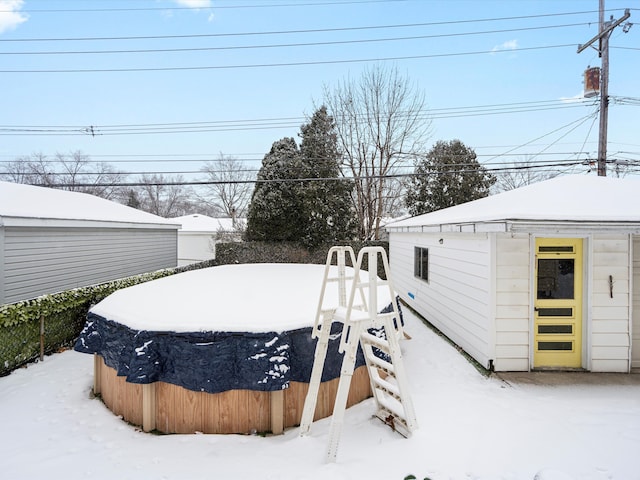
pixel 34 338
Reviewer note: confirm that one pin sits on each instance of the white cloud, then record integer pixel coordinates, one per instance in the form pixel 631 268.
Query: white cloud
pixel 576 98
pixel 10 15
pixel 508 45
pixel 194 3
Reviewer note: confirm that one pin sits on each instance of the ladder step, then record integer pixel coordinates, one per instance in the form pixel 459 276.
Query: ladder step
pixel 338 279
pixel 380 363
pixel 397 424
pixel 377 341
pixel 336 315
pixel 393 406
pixel 356 315
pixel 362 315
pixel 379 283
pixel 390 388
pixel 380 320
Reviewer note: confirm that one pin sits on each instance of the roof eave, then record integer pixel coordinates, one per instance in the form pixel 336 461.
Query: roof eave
pixel 9 221
pixel 521 225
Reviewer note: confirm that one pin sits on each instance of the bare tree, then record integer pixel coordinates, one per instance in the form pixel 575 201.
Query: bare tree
pixel 230 189
pixel 163 196
pixel 382 124
pixel 621 168
pixel 520 174
pixel 21 171
pixel 75 172
pixel 81 175
pixel 394 198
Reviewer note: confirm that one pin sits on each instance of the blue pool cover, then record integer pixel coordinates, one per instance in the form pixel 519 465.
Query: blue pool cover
pixel 211 362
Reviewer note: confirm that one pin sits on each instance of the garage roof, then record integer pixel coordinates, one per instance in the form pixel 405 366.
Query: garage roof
pixel 31 205
pixel 569 198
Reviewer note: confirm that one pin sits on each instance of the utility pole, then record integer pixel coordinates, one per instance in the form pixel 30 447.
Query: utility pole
pixel 604 33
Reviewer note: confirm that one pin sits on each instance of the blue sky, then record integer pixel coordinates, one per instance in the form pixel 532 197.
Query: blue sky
pixel 260 85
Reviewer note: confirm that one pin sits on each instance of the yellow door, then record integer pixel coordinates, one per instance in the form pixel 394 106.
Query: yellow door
pixel 558 303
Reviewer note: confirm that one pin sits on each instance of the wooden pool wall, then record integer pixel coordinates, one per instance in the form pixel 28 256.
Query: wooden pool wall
pixel 169 408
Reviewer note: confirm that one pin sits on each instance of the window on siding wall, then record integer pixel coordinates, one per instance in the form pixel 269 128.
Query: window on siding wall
pixel 421 263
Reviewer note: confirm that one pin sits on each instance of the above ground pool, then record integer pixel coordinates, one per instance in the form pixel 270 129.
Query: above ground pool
pixel 225 349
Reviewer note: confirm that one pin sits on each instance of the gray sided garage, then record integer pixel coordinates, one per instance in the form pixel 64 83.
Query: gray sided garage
pixel 53 240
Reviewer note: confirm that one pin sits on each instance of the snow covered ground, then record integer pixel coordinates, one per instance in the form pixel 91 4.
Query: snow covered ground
pixel 471 428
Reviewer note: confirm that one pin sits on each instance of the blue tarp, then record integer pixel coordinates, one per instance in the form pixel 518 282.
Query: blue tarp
pixel 210 362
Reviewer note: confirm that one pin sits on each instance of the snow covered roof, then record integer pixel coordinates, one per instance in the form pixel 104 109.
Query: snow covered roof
pixel 569 198
pixel 202 223
pixel 30 205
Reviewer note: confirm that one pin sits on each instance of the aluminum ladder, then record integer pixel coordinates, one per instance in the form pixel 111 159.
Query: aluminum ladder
pixel 387 375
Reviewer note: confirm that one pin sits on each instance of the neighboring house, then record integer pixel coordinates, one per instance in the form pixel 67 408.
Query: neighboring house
pixel 383 235
pixel 199 233
pixel 54 240
pixel 545 276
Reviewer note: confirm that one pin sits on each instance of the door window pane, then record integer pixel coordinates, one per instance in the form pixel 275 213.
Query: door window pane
pixel 555 329
pixel 556 249
pixel 555 312
pixel 563 346
pixel 555 278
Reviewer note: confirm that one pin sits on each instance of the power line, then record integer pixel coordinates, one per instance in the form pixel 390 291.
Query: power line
pixel 217 7
pixel 588 133
pixel 578 121
pixel 288 45
pixel 495 165
pixel 284 64
pixel 256 156
pixel 289 32
pixel 273 123
pixel 311 179
pixel 453 168
pixel 248 160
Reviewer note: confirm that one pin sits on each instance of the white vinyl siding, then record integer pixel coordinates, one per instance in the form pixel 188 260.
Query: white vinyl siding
pixel 513 298
pixel 610 309
pixel 38 261
pixel 1 265
pixel 457 298
pixel 195 247
pixel 635 329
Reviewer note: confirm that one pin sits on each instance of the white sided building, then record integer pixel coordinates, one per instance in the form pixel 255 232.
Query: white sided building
pixel 54 240
pixel 546 276
pixel 199 233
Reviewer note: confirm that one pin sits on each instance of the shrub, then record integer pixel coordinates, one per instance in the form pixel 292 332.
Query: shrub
pixel 56 319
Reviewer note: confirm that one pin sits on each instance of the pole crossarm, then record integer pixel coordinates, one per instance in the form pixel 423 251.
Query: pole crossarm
pixel 606 31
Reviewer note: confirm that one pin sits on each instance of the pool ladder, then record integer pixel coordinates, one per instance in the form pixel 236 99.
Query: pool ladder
pixel 387 375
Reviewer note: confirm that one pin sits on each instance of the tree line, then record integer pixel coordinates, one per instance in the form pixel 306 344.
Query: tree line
pixel 338 183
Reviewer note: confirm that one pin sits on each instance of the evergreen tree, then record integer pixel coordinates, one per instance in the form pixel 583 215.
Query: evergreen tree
pixel 328 206
pixel 276 211
pixel 308 202
pixel 448 175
